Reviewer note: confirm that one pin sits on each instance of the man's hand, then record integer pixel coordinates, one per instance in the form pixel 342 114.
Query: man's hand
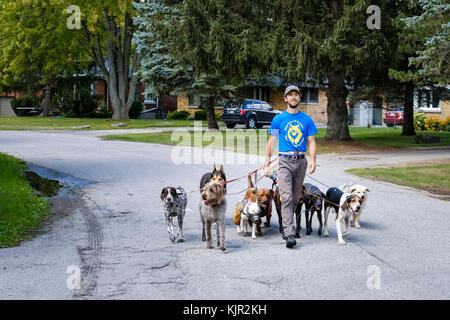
pixel 312 166
pixel 267 170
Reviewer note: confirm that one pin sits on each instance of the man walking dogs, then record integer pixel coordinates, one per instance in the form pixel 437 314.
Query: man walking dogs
pixel 293 128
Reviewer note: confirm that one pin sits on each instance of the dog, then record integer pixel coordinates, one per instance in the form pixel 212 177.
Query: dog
pixel 175 201
pixel 212 209
pixel 313 201
pixel 344 204
pixel 248 212
pixel 359 191
pixel 264 197
pixel 215 175
pixel 277 200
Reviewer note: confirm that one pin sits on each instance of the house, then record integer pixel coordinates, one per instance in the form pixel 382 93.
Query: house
pixel 314 100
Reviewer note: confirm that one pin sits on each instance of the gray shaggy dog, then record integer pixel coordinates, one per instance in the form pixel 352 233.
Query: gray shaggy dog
pixel 212 209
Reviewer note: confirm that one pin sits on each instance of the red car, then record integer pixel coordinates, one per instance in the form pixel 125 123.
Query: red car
pixel 392 118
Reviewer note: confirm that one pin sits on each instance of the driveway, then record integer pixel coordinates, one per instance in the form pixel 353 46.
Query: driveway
pixel 115 234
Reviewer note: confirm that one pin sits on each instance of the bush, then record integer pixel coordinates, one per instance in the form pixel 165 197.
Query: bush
pixel 24 102
pixel 200 115
pixel 434 124
pixel 419 120
pixel 136 109
pixel 178 115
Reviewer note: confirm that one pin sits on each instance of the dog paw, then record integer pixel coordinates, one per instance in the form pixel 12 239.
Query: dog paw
pixel 210 246
pixel 180 239
pixel 341 242
pixel 297 236
pixel 267 225
pixel 345 234
pixel 223 248
pixel 326 235
pixel 357 226
pixel 203 238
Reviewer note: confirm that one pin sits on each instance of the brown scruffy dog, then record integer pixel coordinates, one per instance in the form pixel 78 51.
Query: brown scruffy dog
pixel 212 209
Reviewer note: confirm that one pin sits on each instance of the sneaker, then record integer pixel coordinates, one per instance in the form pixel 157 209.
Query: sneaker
pixel 290 241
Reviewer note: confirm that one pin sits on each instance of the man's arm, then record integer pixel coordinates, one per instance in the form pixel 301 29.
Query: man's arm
pixel 312 146
pixel 270 144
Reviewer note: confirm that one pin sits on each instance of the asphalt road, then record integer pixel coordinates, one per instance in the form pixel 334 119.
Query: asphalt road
pixel 117 239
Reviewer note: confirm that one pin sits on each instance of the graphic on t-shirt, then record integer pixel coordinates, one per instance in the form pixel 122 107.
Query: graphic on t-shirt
pixel 294 133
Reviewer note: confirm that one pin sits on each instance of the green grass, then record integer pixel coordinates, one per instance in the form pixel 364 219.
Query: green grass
pixel 52 123
pixel 21 212
pixel 364 139
pixel 435 178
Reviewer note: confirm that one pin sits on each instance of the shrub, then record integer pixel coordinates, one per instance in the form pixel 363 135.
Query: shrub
pixel 419 121
pixel 136 109
pixel 200 115
pixel 178 115
pixel 24 102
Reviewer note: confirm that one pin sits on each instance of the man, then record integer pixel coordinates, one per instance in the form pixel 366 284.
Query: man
pixel 293 128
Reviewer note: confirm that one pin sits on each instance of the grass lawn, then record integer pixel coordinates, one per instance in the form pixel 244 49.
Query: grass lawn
pixel 21 211
pixel 364 139
pixel 433 178
pixel 52 123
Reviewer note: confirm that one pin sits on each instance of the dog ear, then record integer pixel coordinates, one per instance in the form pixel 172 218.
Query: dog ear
pixel 250 183
pixel 367 190
pixel 163 193
pixel 221 169
pixel 214 169
pixel 344 206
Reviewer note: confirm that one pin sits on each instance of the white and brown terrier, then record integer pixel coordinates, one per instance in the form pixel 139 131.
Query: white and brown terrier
pixel 361 192
pixel 175 201
pixel 248 212
pixel 212 209
pixel 344 204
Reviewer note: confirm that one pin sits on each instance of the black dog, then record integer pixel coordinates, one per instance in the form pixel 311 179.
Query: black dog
pixel 215 175
pixel 312 204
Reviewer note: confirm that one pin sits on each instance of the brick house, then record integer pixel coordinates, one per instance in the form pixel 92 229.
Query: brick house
pixel 314 100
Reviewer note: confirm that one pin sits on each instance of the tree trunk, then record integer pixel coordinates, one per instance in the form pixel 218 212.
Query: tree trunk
pixel 337 126
pixel 118 51
pixel 408 114
pixel 48 94
pixel 210 114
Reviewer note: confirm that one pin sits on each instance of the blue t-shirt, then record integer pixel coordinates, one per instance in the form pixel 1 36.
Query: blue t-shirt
pixel 293 130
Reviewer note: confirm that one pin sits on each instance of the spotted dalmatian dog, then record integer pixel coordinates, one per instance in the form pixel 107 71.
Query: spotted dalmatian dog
pixel 175 201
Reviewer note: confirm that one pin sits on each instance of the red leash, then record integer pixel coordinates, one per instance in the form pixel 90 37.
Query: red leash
pixel 232 180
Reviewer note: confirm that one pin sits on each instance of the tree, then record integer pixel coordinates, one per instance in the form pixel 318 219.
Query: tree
pixel 169 65
pixel 35 46
pixel 107 30
pixel 432 59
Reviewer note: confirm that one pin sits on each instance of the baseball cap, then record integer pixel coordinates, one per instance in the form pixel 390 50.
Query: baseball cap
pixel 290 88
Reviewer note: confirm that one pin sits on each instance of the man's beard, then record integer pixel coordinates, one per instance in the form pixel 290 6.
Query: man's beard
pixel 293 106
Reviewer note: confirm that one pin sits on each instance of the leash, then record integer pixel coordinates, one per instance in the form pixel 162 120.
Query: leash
pixel 236 179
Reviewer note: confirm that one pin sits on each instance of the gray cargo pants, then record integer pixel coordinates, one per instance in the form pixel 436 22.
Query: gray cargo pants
pixel 290 177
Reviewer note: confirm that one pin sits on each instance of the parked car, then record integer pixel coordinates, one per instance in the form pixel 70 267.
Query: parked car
pixel 253 113
pixel 395 117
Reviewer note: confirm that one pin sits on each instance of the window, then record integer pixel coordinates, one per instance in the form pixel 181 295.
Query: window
pixel 309 96
pixel 425 98
pixel 313 95
pixel 195 100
